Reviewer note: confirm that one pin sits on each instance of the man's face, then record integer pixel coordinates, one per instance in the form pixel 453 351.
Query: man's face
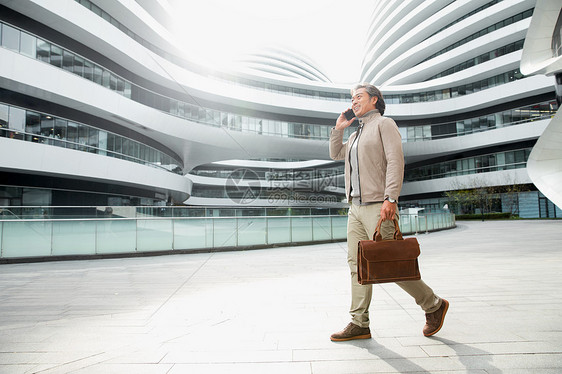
pixel 362 103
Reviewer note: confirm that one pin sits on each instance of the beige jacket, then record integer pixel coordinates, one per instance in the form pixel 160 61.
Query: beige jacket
pixel 380 157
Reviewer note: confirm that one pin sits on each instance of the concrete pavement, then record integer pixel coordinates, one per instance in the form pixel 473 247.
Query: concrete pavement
pixel 273 310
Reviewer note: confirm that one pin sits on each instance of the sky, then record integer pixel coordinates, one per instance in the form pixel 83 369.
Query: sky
pixel 331 33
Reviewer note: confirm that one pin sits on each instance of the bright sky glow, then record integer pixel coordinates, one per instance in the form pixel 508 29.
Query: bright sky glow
pixel 331 33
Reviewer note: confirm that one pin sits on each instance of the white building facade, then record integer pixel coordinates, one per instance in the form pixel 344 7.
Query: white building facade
pixel 98 106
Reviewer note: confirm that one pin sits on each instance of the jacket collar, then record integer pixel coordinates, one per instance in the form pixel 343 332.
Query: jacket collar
pixel 369 116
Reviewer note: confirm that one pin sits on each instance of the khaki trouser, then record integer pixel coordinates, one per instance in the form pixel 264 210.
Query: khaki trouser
pixel 361 224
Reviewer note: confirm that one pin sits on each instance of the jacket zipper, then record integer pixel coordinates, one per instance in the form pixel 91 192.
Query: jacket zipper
pixel 359 131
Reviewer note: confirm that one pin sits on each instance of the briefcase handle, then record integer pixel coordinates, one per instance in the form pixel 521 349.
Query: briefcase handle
pixel 397 234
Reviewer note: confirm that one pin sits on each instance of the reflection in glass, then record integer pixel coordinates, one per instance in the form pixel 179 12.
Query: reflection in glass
pixel 32 126
pixel 67 61
pixel 43 50
pixel 56 56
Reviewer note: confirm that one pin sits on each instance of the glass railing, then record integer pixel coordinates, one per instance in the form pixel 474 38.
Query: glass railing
pixel 47 237
pixel 90 212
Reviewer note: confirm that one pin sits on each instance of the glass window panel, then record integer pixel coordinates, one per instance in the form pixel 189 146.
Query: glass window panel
pixel 32 122
pixel 135 149
pixel 96 9
pixel 79 66
pixel 112 82
pixel 3 115
pixel 98 72
pixel 106 16
pixel 60 128
pixel 110 142
pixel 43 50
pixel 127 90
pixel 56 56
pixel 419 132
pixel 427 132
pixel 27 45
pixel 118 145
pixel 126 147
pixel 67 60
pixel 82 137
pixel 143 151
pixel 32 126
pixel 121 88
pixel 151 155
pixel 72 135
pixel 88 70
pixel 460 127
pixel 47 128
pixel 519 156
pixel 106 78
pixel 10 38
pixel 93 139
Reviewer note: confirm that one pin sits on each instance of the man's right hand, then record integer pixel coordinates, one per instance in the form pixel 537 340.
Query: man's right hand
pixel 342 122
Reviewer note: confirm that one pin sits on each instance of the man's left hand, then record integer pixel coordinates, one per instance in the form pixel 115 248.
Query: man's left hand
pixel 388 210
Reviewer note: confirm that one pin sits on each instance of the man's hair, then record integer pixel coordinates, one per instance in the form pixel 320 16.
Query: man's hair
pixel 373 92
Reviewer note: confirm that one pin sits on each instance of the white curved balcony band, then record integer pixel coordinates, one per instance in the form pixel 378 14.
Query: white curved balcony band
pixel 419 151
pixel 412 87
pixel 69 90
pixel 410 47
pixel 68 163
pixel 519 89
pixel 467 76
pixel 206 144
pixel 71 18
pixel 423 71
pixel 289 63
pixel 385 15
pixel 463 182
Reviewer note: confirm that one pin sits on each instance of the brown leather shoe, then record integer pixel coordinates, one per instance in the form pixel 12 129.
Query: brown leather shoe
pixel 351 332
pixel 434 321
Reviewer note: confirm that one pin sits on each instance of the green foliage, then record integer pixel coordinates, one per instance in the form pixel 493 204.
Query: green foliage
pixel 486 216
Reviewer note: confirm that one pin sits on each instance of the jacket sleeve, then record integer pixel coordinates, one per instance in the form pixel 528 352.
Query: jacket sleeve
pixel 337 146
pixel 392 144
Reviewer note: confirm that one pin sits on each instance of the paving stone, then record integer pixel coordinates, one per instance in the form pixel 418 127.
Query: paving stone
pixel 273 310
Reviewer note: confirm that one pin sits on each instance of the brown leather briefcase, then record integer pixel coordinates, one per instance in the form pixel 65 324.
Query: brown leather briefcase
pixel 382 261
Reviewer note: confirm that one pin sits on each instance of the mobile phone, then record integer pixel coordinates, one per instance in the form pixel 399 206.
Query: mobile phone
pixel 349 114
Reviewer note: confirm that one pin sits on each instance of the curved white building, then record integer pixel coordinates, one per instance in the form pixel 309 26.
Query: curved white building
pixel 450 72
pixel 543 55
pixel 99 106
